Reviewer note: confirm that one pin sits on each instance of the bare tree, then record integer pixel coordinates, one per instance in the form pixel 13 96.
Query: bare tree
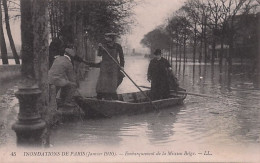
pixel 12 45
pixel 2 39
pixel 216 11
pixel 231 8
pixel 193 17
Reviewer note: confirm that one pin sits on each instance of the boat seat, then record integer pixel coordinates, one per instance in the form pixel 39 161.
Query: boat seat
pixel 140 97
pixel 128 97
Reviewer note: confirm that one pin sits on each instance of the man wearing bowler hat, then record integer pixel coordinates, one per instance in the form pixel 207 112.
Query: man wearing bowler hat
pixel 158 70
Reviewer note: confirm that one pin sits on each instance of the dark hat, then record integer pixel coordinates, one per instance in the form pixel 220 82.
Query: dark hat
pixel 157 52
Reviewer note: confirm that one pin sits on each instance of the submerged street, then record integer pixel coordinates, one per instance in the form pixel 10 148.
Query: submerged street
pixel 228 123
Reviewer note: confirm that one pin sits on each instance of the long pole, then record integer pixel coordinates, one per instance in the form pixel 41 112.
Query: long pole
pixel 129 77
pixel 188 93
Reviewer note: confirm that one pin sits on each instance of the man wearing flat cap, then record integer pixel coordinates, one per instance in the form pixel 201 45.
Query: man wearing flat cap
pixel 110 75
pixel 62 76
pixel 158 70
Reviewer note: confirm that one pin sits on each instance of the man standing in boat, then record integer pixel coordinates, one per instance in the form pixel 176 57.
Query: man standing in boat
pixel 157 74
pixel 110 76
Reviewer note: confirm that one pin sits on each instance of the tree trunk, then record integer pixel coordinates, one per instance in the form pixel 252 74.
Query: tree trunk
pixel 201 49
pixel 2 40
pixel 184 51
pixel 176 54
pixel 41 55
pixel 51 19
pixel 171 44
pixel 79 68
pixel 27 40
pixel 195 44
pixel 205 41
pixel 205 50
pixel 213 50
pixel 221 54
pixel 180 57
pixel 12 45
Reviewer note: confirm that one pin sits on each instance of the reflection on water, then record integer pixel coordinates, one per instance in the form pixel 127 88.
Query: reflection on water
pixel 230 119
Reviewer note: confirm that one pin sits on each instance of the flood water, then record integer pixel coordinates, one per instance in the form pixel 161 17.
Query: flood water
pixel 227 125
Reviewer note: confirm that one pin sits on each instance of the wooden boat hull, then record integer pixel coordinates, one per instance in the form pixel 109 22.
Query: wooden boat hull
pixel 109 108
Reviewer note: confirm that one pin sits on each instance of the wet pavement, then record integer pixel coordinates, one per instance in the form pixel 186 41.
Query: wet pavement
pixel 8 113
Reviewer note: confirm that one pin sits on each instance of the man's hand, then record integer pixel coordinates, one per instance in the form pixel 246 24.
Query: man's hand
pixel 100 45
pixel 122 68
pixel 149 80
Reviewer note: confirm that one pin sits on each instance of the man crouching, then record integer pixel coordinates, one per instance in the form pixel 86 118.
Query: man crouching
pixel 62 76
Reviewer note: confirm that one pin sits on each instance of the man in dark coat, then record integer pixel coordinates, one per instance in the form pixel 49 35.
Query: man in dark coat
pixel 56 48
pixel 110 76
pixel 157 74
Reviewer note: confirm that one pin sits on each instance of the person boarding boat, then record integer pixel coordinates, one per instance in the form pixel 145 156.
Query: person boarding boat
pixel 62 77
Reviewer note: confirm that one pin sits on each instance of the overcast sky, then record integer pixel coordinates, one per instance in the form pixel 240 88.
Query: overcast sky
pixel 150 14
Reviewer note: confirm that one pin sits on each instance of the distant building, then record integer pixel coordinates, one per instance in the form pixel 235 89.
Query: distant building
pixel 245 37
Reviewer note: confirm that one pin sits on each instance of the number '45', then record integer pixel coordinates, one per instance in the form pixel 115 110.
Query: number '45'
pixel 13 154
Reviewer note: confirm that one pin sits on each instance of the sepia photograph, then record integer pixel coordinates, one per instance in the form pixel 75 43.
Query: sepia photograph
pixel 129 81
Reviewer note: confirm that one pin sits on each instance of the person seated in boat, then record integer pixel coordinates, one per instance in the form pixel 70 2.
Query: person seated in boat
pixel 110 76
pixel 158 70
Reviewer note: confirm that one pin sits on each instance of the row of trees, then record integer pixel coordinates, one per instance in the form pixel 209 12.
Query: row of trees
pixel 200 23
pixel 94 17
pixel 5 6
pixel 74 19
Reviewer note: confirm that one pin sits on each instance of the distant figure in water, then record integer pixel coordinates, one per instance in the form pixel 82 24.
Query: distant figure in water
pixel 158 74
pixel 110 76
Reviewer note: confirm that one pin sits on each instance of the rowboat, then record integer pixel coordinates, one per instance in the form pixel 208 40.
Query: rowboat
pixel 126 104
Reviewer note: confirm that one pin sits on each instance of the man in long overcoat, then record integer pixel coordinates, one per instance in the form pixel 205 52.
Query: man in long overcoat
pixel 158 70
pixel 110 76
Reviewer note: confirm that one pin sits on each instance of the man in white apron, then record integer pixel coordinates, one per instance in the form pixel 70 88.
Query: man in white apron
pixel 110 76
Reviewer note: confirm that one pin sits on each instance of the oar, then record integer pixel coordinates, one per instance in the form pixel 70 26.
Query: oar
pixel 130 78
pixel 188 93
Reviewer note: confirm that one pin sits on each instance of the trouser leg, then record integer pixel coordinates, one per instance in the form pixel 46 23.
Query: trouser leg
pixel 66 94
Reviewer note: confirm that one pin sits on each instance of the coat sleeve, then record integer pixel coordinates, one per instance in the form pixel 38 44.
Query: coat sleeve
pixel 149 72
pixel 121 55
pixel 167 64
